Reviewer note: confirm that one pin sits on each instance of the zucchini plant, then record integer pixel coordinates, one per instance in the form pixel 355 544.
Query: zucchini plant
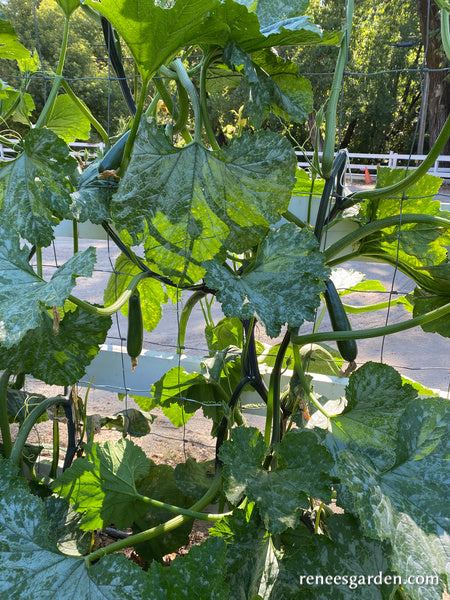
pixel 194 216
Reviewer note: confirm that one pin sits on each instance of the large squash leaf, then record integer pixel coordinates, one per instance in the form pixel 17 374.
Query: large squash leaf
pixel 356 566
pixel 283 285
pixel 258 25
pixel 33 567
pixel 58 357
pixel 103 485
pixel 376 399
pixel 197 576
pixel 141 22
pixel 193 202
pixel 197 22
pixel 20 312
pixel 406 503
pixel 181 394
pixel 280 494
pixel 10 47
pixel 67 120
pixel 35 188
pixel 252 564
pixel 274 85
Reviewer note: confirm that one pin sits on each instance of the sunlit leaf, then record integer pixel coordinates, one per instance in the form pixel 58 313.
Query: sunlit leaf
pixel 103 485
pixel 193 202
pixel 68 121
pixel 10 47
pixel 68 6
pixel 151 292
pixel 141 22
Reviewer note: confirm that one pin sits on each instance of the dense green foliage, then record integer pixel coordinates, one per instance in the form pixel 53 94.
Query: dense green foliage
pixel 216 224
pixel 86 65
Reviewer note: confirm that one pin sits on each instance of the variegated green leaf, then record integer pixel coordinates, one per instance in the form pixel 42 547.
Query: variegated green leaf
pixel 283 284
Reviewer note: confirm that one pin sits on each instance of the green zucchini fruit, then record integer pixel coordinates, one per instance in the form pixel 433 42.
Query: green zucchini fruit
pixel 113 158
pixel 339 321
pixel 135 334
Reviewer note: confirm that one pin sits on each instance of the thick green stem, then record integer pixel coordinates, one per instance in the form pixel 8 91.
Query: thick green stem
pixel 184 318
pixel 62 54
pixel 57 81
pixel 28 424
pixel 161 529
pixel 330 116
pixel 50 100
pixel 39 261
pixel 298 365
pixel 327 336
pixel 374 226
pixel 107 311
pixel 371 307
pixel 10 144
pixel 136 120
pixel 203 101
pixel 163 93
pixel 185 81
pixel 273 398
pixel 414 175
pixel 75 236
pixel 188 512
pixel 289 216
pixel 4 422
pixel 86 112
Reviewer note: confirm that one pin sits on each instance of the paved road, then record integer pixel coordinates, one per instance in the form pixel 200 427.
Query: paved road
pixel 419 356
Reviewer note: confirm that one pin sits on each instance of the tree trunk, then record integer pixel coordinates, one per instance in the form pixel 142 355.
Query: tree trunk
pixel 439 94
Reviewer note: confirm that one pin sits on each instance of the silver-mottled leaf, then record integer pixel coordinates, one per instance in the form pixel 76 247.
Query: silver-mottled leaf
pixel 283 285
pixel 303 469
pixel 35 187
pixel 35 569
pixel 19 316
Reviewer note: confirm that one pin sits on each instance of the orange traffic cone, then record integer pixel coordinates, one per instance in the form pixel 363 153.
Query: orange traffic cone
pixel 367 176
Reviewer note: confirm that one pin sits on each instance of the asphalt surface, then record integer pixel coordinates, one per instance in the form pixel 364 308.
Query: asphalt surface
pixel 420 356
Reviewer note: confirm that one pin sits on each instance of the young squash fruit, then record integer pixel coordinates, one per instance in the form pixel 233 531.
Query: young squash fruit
pixel 135 334
pixel 339 321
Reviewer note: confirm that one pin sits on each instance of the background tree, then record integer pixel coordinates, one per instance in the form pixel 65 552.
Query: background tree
pixel 381 95
pixel 86 67
pixel 438 100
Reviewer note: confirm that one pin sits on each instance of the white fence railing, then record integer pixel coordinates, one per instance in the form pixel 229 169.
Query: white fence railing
pixel 359 162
